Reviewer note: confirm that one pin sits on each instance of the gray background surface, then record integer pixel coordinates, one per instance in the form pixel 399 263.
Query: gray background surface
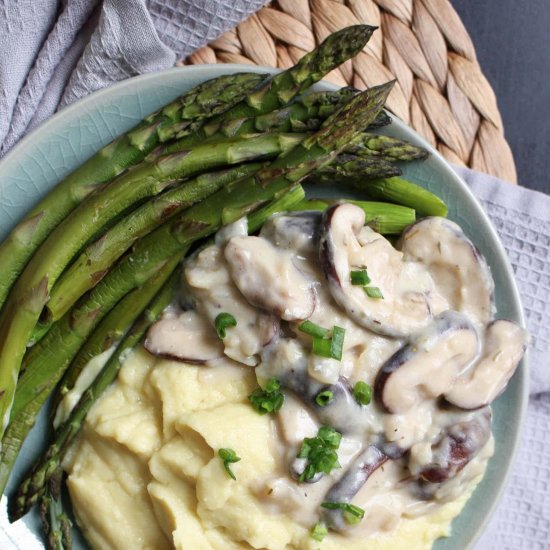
pixel 512 40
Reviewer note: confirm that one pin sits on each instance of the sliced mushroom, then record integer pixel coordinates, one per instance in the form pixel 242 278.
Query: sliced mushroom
pixel 297 231
pixel 347 245
pixel 458 445
pixel 428 365
pixel 268 278
pixel 210 285
pixel 186 337
pixel 459 270
pixel 349 485
pixel 505 344
pixel 287 360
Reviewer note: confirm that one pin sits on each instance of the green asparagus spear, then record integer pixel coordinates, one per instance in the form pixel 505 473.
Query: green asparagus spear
pixel 55 521
pixel 407 193
pixel 383 217
pixel 284 86
pixel 393 189
pixel 348 168
pixel 32 488
pixel 207 99
pixel 94 262
pixel 387 148
pixel 30 294
pixel 46 362
pixel 305 113
pixel 227 205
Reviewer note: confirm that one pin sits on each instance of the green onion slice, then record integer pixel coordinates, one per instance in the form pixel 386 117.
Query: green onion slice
pixel 362 393
pixel 374 292
pixel 312 329
pixel 319 531
pixel 360 278
pixel 267 400
pixel 322 347
pixel 228 456
pixel 320 452
pixel 337 344
pixel 352 514
pixel 222 322
pixel 323 398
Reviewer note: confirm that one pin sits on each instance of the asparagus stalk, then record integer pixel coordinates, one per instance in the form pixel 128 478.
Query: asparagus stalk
pixel 305 113
pixel 30 294
pixel 387 148
pixel 55 522
pixel 347 168
pixel 383 217
pixel 209 98
pixel 96 259
pixel 32 488
pixel 407 193
pixel 46 362
pixel 284 86
pixel 394 189
pixel 227 205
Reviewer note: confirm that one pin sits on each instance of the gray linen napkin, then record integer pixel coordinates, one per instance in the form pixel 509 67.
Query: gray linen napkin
pixel 51 55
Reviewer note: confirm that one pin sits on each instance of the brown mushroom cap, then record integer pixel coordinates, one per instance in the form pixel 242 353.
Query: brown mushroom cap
pixel 428 365
pixel 268 278
pixel 346 245
pixel 505 344
pixel 459 270
pixel 187 337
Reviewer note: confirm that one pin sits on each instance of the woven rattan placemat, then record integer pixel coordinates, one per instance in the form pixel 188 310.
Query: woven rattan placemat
pixel 441 91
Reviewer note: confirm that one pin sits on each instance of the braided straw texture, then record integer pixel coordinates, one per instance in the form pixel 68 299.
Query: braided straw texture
pixel 441 91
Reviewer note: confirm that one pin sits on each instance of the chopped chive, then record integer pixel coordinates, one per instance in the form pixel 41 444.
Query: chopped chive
pixel 322 347
pixel 323 398
pixel 319 531
pixel 267 400
pixel 228 456
pixel 352 514
pixel 320 452
pixel 337 344
pixel 222 322
pixel 374 292
pixel 360 278
pixel 312 329
pixel 362 393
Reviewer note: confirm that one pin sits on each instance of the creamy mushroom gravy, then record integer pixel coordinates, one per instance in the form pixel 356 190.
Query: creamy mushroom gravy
pixel 429 348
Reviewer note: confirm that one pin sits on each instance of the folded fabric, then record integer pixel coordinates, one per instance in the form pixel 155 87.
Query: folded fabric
pixel 50 58
pixel 52 55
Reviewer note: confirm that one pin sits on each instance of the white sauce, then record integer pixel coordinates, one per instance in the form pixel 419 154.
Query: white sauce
pixel 215 292
pixel 408 346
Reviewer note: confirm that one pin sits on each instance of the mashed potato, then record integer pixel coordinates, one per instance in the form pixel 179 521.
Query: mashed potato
pixel 146 466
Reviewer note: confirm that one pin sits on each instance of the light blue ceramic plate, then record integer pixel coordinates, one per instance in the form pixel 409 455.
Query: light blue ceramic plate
pixel 69 138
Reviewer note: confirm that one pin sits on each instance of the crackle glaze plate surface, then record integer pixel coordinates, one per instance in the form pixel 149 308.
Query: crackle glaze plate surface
pixel 66 140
